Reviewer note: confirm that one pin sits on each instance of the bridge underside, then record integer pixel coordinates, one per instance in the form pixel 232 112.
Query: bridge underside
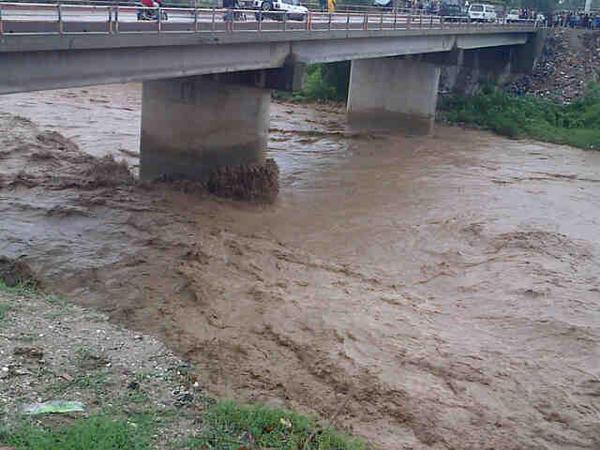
pixel 30 63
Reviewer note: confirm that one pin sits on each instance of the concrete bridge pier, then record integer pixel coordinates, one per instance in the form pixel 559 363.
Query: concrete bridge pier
pixel 396 93
pixel 191 126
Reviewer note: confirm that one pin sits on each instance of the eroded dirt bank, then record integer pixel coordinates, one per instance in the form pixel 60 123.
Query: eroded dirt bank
pixel 429 292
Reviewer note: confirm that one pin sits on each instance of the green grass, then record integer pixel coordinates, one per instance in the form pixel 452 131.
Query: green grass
pixel 25 289
pixel 577 124
pixel 229 426
pixel 224 426
pixel 93 433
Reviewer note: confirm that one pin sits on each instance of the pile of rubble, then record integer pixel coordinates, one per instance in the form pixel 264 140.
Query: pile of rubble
pixel 570 60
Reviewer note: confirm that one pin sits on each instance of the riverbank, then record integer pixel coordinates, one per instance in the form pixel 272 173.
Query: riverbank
pixel 576 124
pixel 131 391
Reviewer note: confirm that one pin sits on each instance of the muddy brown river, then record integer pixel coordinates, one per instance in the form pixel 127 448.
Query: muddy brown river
pixel 423 292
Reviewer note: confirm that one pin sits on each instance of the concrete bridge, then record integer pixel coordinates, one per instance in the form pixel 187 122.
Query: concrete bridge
pixel 207 82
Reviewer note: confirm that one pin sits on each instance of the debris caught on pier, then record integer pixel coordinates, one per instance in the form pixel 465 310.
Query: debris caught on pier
pixel 246 182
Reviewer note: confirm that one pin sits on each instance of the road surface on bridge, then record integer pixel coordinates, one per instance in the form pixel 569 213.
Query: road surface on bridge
pixel 18 18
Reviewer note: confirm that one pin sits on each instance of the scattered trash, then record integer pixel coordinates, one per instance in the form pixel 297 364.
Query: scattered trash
pixel 90 361
pixel 66 376
pixel 285 422
pixel 54 407
pixel 29 352
pixel 182 397
pixel 570 59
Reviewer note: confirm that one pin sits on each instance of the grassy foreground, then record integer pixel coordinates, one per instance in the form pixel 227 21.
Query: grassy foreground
pixel 225 426
pixel 135 411
pixel 577 124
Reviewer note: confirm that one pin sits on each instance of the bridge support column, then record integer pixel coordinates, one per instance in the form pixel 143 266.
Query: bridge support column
pixel 393 93
pixel 191 126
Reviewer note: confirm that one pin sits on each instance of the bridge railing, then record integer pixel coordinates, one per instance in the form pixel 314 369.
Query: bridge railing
pixel 58 18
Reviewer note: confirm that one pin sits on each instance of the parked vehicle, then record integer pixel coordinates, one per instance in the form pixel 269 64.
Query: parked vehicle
pixel 514 15
pixel 452 13
pixel 274 9
pixel 481 12
pixel 386 4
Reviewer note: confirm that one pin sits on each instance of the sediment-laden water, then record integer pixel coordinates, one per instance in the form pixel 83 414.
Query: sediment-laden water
pixel 425 292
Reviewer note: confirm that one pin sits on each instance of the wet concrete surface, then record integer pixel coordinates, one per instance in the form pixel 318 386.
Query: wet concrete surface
pixel 428 292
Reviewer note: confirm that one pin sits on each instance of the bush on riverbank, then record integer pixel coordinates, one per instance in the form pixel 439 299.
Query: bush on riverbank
pixel 576 124
pixel 323 83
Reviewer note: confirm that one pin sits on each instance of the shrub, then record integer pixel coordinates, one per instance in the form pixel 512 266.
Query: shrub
pixel 576 124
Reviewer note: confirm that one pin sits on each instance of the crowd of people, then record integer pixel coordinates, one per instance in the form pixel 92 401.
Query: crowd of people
pixel 571 19
pixel 576 19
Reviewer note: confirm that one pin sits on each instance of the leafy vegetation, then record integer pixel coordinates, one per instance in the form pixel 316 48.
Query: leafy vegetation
pixel 229 426
pixel 96 432
pixel 225 426
pixel 24 289
pixel 577 124
pixel 323 83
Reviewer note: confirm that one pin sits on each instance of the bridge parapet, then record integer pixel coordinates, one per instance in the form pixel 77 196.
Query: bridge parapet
pixel 61 18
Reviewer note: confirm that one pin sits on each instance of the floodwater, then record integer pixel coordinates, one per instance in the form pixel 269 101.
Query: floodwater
pixel 423 292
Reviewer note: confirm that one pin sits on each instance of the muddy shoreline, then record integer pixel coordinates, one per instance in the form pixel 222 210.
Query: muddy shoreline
pixel 444 289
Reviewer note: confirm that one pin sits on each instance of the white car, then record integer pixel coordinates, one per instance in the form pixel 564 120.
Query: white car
pixel 480 12
pixel 274 9
pixel 514 15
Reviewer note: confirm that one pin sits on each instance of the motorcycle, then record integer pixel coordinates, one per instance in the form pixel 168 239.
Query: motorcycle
pixel 145 13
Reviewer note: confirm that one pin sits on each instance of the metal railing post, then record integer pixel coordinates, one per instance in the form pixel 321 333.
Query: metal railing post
pixel 329 23
pixel 212 25
pixel 395 17
pixel 116 18
pixel 420 19
pixel 381 21
pixel 348 21
pixel 366 21
pixel 158 19
pixel 195 16
pixel 60 21
pixel 1 23
pixel 285 21
pixel 109 25
pixel 408 21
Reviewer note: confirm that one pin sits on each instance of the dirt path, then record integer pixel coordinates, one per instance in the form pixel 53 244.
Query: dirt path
pixel 444 290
